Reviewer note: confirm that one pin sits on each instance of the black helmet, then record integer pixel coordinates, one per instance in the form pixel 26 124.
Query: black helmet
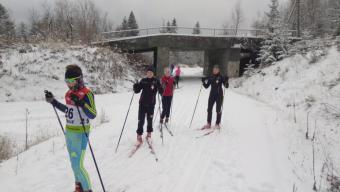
pixel 73 71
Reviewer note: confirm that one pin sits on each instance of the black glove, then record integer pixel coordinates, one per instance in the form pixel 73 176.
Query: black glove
pixel 77 101
pixel 226 85
pixel 49 96
pixel 204 79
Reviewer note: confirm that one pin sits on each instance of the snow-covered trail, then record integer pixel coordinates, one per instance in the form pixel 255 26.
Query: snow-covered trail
pixel 249 154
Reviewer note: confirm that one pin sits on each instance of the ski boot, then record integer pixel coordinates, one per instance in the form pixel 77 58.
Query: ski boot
pixel 161 121
pixel 148 136
pixel 167 120
pixel 218 127
pixel 79 188
pixel 139 139
pixel 207 126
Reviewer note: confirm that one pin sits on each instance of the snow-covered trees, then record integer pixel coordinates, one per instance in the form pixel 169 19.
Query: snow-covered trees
pixel 274 47
pixel 197 29
pixel 132 24
pixel 22 32
pixel 128 24
pixel 7 28
pixel 66 20
pixel 237 17
pixel 169 26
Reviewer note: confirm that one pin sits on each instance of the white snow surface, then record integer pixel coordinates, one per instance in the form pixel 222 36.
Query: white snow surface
pixel 301 87
pixel 249 154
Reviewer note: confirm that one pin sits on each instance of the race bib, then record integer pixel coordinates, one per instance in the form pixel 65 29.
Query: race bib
pixel 73 118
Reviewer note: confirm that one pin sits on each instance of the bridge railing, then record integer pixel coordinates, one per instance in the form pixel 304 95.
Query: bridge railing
pixel 214 32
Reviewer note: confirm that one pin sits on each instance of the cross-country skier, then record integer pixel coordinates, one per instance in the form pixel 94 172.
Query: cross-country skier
pixel 168 86
pixel 149 87
pixel 216 95
pixel 77 96
pixel 172 67
pixel 177 75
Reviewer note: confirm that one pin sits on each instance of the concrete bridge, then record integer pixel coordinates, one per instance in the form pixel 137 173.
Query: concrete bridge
pixel 219 49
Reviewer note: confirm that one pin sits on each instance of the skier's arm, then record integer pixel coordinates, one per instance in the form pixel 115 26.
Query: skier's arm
pixel 61 107
pixel 160 88
pixel 90 106
pixel 206 82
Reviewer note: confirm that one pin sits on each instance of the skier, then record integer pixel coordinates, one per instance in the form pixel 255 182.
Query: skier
pixel 216 95
pixel 172 67
pixel 82 97
pixel 149 87
pixel 177 75
pixel 167 82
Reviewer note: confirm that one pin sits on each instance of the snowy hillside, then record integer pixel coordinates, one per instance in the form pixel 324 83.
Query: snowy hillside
pixel 25 75
pixel 306 89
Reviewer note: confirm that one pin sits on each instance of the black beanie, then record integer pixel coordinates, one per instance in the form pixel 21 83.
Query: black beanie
pixel 150 68
pixel 73 71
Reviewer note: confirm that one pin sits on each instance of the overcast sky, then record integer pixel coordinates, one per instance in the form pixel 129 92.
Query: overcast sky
pixel 151 13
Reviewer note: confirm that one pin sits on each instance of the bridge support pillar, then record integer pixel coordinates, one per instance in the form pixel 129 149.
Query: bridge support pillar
pixel 162 60
pixel 227 59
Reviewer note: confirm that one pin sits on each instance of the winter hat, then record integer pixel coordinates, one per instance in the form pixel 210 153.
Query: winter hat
pixel 216 66
pixel 150 68
pixel 73 71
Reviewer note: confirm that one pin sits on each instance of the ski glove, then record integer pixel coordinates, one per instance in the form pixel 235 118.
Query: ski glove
pixel 136 87
pixel 204 79
pixel 49 96
pixel 77 101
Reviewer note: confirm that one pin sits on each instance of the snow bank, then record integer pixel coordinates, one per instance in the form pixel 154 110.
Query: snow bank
pixel 305 86
pixel 25 75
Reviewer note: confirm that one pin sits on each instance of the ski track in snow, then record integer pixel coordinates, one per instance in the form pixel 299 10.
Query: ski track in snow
pixel 245 156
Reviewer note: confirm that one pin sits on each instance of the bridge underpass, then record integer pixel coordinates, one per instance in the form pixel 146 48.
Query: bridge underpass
pixel 221 48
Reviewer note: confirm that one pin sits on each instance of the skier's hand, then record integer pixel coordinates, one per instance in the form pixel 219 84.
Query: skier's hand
pixel 204 79
pixel 77 101
pixel 49 96
pixel 226 85
pixel 136 87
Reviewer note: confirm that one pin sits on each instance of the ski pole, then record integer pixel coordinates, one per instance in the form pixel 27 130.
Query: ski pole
pixel 61 125
pixel 155 116
pixel 172 103
pixel 127 114
pixel 93 157
pixel 199 94
pixel 161 129
pixel 223 101
pixel 56 113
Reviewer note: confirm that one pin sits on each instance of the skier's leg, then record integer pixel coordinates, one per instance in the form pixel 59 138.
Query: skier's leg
pixel 76 145
pixel 168 106
pixel 163 107
pixel 150 111
pixel 219 102
pixel 141 119
pixel 84 177
pixel 210 108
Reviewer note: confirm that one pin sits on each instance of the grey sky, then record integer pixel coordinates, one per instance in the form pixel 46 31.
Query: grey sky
pixel 150 13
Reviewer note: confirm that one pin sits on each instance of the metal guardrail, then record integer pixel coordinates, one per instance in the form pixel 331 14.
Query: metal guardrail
pixel 211 32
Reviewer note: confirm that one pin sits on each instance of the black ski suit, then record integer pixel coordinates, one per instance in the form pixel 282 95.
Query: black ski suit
pixel 216 95
pixel 147 101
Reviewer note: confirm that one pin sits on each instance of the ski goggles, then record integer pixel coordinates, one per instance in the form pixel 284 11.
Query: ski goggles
pixel 71 80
